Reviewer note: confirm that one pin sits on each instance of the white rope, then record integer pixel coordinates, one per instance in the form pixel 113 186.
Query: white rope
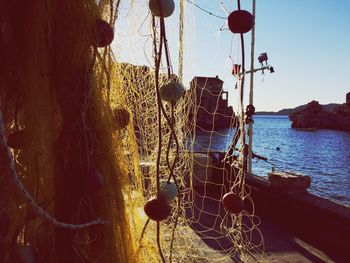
pixel 41 212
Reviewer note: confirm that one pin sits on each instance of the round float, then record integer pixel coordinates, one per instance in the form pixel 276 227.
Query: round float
pixel 172 91
pixel 157 209
pixel 103 34
pixel 168 7
pixel 240 21
pixel 168 190
pixel 122 118
pixel 233 203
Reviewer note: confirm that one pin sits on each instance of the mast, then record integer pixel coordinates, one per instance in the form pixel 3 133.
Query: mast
pixel 250 129
pixel 181 45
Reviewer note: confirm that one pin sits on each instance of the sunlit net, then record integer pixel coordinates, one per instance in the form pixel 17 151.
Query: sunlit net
pixel 127 157
pixel 199 222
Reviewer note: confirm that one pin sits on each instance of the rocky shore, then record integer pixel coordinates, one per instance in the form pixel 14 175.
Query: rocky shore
pixel 314 116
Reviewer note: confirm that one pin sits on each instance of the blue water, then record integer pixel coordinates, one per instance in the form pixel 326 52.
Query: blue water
pixel 323 154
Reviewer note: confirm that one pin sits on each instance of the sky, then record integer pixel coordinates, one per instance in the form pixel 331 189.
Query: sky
pixel 307 42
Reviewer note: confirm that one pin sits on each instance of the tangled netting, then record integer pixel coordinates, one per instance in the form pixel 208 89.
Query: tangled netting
pixel 63 180
pixel 202 175
pixel 76 110
pixel 199 229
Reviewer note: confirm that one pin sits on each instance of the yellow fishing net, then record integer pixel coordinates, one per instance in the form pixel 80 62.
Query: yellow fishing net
pixel 76 110
pixel 54 86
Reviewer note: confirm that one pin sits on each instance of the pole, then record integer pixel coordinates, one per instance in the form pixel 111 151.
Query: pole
pixel 257 69
pixel 250 130
pixel 181 45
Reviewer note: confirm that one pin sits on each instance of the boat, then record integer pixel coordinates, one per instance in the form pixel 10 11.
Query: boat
pixel 306 226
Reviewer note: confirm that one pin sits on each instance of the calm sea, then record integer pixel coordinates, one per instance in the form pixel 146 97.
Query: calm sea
pixel 323 154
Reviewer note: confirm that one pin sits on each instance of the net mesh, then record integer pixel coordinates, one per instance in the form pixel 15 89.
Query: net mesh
pixel 82 109
pixel 201 174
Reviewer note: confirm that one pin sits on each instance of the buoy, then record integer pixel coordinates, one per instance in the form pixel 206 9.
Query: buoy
pixel 172 91
pixel 157 209
pixel 250 110
pixel 168 190
pixel 240 21
pixel 122 118
pixel 168 7
pixel 233 203
pixel 103 34
pixel 15 140
pixel 93 183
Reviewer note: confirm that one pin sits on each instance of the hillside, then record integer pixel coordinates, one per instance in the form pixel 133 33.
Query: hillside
pixel 287 112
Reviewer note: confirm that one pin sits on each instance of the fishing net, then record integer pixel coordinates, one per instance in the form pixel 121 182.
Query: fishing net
pixel 75 111
pixel 54 90
pixel 198 223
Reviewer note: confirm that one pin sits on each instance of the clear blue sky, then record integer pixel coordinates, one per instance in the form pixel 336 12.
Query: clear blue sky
pixel 307 42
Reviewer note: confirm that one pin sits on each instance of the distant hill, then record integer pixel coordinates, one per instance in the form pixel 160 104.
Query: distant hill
pixel 287 112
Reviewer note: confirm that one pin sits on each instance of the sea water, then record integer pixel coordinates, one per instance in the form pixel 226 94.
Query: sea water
pixel 322 154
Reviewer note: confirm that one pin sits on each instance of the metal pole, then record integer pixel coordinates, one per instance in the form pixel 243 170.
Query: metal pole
pixel 250 130
pixel 257 69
